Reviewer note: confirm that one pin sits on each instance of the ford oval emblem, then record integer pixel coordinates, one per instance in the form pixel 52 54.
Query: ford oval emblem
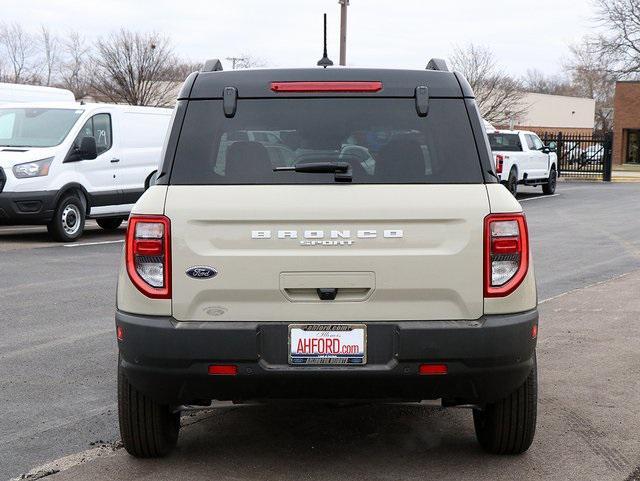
pixel 201 272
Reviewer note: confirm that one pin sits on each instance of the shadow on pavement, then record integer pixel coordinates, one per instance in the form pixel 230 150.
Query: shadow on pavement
pixel 315 441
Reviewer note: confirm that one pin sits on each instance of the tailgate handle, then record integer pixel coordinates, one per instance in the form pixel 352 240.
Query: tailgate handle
pixel 327 293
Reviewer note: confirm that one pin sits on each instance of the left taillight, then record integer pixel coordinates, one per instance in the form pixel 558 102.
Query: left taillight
pixel 499 163
pixel 506 253
pixel 148 255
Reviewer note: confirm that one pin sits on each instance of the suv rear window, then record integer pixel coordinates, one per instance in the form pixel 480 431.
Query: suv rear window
pixel 505 142
pixel 383 139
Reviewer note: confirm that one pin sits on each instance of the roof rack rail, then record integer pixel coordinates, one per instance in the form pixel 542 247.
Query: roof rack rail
pixel 438 64
pixel 212 65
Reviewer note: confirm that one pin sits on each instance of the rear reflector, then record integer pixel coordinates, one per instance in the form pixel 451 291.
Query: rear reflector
pixel 534 331
pixel 120 333
pixel 148 247
pixel 223 370
pixel 326 86
pixel 433 369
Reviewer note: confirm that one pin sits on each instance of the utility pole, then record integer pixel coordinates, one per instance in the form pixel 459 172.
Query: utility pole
pixel 343 31
pixel 234 60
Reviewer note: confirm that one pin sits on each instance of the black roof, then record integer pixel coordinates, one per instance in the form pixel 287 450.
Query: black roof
pixel 256 83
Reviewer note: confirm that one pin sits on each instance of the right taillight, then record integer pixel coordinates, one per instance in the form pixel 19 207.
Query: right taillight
pixel 499 163
pixel 147 253
pixel 506 253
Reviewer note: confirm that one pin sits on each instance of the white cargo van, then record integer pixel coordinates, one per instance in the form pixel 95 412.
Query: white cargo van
pixel 61 163
pixel 18 93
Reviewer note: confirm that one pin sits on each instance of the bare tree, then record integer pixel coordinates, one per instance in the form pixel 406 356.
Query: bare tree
pixel 50 53
pixel 538 82
pixel 588 69
pixel 499 96
pixel 19 51
pixel 621 42
pixel 135 68
pixel 182 69
pixel 75 71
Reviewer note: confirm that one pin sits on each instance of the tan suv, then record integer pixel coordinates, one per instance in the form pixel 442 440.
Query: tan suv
pixel 376 256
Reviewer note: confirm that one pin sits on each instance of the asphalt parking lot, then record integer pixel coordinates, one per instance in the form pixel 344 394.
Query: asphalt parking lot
pixel 58 354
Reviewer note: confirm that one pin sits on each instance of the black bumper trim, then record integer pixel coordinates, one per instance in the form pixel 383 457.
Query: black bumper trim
pixel 487 359
pixel 27 207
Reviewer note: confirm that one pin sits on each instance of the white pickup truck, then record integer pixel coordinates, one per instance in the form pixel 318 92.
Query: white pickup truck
pixel 521 158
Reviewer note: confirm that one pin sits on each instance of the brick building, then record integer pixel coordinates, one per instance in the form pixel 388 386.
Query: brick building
pixel 626 123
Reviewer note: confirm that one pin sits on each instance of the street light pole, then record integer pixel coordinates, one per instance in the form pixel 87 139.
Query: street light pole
pixel 343 31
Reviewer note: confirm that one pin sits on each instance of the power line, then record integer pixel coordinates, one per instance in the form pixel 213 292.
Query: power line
pixel 235 60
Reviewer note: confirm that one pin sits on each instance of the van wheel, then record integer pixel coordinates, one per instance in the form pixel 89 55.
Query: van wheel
pixel 110 223
pixel 67 224
pixel 512 182
pixel 550 187
pixel 508 425
pixel 148 429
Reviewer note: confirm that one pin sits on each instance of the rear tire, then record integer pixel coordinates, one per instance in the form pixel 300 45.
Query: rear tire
pixel 512 182
pixel 67 224
pixel 110 223
pixel 509 425
pixel 550 187
pixel 148 429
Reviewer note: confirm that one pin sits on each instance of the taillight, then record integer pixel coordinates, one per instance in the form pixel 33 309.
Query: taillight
pixel 357 86
pixel 499 163
pixel 148 255
pixel 506 253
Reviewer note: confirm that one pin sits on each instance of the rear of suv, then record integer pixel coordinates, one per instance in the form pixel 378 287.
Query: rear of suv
pixel 375 257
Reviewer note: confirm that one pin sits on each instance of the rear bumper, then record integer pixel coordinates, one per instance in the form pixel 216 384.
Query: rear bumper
pixel 487 359
pixel 27 207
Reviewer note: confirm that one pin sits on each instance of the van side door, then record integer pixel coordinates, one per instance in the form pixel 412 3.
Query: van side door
pixel 142 135
pixel 98 176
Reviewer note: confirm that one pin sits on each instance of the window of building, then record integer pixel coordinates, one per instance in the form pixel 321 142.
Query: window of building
pixel 633 147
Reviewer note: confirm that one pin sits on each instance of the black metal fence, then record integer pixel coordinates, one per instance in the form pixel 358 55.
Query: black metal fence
pixel 582 156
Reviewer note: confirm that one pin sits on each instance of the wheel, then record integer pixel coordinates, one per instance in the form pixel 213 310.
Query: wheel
pixel 508 425
pixel 110 223
pixel 512 182
pixel 67 224
pixel 147 429
pixel 550 187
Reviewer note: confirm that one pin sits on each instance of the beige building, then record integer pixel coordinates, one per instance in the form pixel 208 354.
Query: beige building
pixel 556 113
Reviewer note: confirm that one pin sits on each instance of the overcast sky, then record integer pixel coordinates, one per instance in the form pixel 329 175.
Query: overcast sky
pixel 387 33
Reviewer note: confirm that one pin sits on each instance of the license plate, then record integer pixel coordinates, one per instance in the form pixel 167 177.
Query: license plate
pixel 344 344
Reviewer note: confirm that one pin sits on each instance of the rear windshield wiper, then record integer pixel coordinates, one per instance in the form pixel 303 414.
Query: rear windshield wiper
pixel 342 170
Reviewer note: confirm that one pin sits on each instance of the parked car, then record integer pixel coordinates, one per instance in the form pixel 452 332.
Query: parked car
pixel 61 163
pixel 521 158
pixel 327 278
pixel 572 151
pixel 18 93
pixel 593 153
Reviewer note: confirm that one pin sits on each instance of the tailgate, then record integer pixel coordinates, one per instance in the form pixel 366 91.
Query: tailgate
pixel 392 252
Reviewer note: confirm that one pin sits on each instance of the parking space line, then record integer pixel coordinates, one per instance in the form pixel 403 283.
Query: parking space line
pixel 20 228
pixel 571 291
pixel 94 243
pixel 538 197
